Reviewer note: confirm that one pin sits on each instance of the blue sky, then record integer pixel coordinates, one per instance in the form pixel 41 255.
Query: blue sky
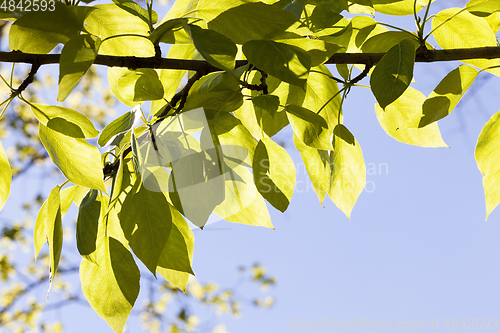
pixel 417 247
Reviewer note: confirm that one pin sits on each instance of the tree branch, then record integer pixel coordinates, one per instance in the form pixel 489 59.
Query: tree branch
pixel 200 65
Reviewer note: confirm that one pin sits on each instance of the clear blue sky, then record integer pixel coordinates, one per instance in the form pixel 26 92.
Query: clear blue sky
pixel 417 247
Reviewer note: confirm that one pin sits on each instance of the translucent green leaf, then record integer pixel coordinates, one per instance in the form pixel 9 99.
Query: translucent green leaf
pixel 321 96
pixel 319 50
pixel 360 7
pixel 87 225
pixel 266 103
pixel 393 73
pixel 64 121
pixel 274 173
pixel 112 285
pixel 171 78
pixel 466 31
pixel 109 21
pixel 348 170
pixel 324 22
pixel 399 7
pixel 231 132
pixel 309 127
pixel 117 126
pixel 78 161
pixel 288 63
pixel 76 58
pixel 447 94
pixel 317 164
pixel 483 7
pixel 146 220
pixel 67 196
pixel 217 49
pixel 177 254
pixel 171 32
pixel 5 177
pixel 265 21
pixel 135 86
pixel 134 9
pixel 215 100
pixel 400 120
pixel 40 31
pixel 384 41
pixel 243 203
pixel 488 161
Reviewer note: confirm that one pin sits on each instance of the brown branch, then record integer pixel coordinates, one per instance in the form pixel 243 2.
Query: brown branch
pixel 29 79
pixel 197 65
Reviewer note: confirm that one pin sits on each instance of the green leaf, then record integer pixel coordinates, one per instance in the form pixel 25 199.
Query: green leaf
pixel 136 10
pixel 319 50
pixel 487 158
pixel 146 220
pixel 266 22
pixel 135 86
pixel 76 58
pixel 317 164
pixel 5 177
pixel 177 254
pixel 483 7
pixel 274 173
pixel 243 203
pixel 384 41
pixel 288 63
pixel 324 22
pixel 400 120
pixel 447 94
pixel 170 32
pixel 309 127
pixel 348 170
pixel 399 7
pixel 87 225
pixel 119 125
pixel 110 21
pixel 361 7
pixel 393 73
pixel 171 78
pixel 266 103
pixel 456 28
pixel 67 196
pixel 321 96
pixel 41 31
pixel 215 100
pixel 217 49
pixel 112 285
pixel 64 121
pixel 231 132
pixel 78 161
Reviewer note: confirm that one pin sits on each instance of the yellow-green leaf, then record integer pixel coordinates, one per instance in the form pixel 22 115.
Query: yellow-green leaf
pixel 456 28
pixel 393 73
pixel 65 121
pixel 309 127
pixel 488 161
pixel 5 177
pixel 348 170
pixel 447 94
pixel 400 120
pixel 79 161
pixel 132 87
pixel 274 173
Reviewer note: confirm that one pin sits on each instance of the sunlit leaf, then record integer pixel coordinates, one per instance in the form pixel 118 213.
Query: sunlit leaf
pixel 77 56
pixel 274 173
pixel 400 120
pixel 309 127
pixel 135 86
pixel 117 126
pixel 488 161
pixel 348 170
pixel 64 121
pixel 393 73
pixel 87 225
pixel 79 161
pixel 5 177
